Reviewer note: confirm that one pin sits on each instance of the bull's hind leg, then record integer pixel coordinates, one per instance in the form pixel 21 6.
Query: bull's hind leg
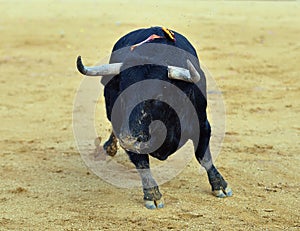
pixel 110 146
pixel 152 196
pixel 218 184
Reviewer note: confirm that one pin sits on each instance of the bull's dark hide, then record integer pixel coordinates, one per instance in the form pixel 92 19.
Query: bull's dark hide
pixel 156 110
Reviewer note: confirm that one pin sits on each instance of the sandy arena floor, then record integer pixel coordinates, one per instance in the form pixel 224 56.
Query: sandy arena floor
pixel 252 50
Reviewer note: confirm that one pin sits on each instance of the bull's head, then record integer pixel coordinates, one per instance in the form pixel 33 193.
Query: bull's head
pixel 137 135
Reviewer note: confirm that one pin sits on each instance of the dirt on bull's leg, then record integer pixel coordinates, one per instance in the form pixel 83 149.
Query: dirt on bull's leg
pixel 111 145
pixel 152 193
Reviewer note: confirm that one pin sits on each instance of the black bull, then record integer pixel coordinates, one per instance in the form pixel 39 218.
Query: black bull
pixel 144 72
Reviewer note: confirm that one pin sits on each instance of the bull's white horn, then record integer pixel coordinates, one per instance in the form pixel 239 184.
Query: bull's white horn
pixel 195 76
pixel 102 70
pixel 191 75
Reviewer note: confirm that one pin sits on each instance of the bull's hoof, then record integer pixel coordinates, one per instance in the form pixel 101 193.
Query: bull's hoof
pixel 227 192
pixel 111 150
pixel 219 186
pixel 153 198
pixel 157 204
pixel 111 146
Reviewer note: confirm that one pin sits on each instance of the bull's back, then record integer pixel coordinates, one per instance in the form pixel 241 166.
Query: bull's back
pixel 140 35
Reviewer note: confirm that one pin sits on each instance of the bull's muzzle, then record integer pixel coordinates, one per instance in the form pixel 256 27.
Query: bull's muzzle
pixel 130 143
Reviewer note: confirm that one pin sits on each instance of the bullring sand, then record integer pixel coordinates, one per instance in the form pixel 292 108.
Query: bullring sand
pixel 252 50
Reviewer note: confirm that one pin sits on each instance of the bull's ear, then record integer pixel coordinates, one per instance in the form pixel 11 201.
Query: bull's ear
pixel 102 70
pixel 191 75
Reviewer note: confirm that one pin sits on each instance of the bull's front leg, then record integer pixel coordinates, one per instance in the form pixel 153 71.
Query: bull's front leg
pixel 152 196
pixel 218 185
